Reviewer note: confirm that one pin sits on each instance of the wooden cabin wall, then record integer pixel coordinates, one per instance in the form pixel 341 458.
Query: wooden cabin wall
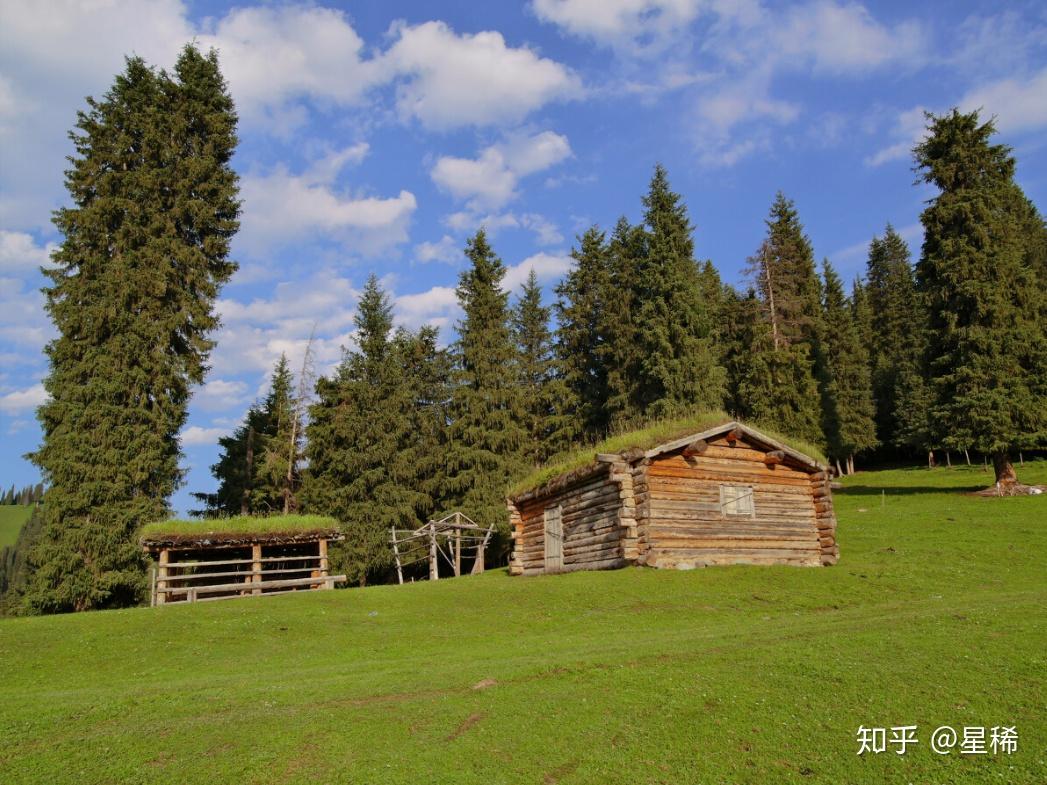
pixel 681 523
pixel 598 523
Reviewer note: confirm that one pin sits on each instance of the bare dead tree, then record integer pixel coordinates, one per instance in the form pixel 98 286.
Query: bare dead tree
pixel 306 379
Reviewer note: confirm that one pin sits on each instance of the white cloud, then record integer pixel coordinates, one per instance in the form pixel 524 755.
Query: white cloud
pixel 637 26
pixel 548 267
pixel 282 208
pixel 545 231
pixel 437 306
pixel 255 333
pixel 492 223
pixel 909 127
pixel 1019 104
pixel 195 435
pixel 221 394
pixel 490 180
pixel 23 400
pixel 19 253
pixel 446 249
pixel 446 80
pixel 271 56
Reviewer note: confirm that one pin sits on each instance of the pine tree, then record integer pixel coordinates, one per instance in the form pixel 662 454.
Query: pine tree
pixel 580 312
pixel 252 467
pixel 677 367
pixel 144 254
pixel 782 386
pixel 364 447
pixel 548 421
pixel 897 331
pixel 618 352
pixel 848 421
pixel 485 435
pixel 274 447
pixel 981 278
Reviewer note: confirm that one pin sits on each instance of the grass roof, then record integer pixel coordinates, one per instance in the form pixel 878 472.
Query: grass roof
pixel 645 437
pixel 240 527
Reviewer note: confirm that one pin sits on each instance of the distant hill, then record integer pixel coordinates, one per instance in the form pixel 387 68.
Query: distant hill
pixel 12 519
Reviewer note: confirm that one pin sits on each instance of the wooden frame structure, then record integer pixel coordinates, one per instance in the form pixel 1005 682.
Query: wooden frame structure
pixel 726 495
pixel 451 537
pixel 211 567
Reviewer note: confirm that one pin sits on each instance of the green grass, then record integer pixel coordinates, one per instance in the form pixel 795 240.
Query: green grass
pixel 934 616
pixel 240 524
pixel 650 435
pixel 12 519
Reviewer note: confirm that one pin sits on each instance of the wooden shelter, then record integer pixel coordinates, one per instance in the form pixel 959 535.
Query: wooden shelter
pixel 454 536
pixel 239 557
pixel 725 495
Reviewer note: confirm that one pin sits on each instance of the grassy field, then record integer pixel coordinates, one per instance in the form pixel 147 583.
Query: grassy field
pixel 12 518
pixel 936 615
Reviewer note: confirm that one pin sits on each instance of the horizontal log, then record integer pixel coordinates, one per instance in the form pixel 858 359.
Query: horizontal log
pixel 741 553
pixel 243 574
pixel 224 587
pixel 747 468
pixel 732 542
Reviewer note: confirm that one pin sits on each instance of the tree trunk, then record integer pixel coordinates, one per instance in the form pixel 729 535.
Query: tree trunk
pixel 1001 464
pixel 967 455
pixel 930 459
pixel 948 459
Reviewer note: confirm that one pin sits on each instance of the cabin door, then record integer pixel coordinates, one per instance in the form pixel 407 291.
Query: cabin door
pixel 554 538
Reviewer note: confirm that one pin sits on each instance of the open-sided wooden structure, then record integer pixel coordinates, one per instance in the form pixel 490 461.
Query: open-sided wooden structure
pixel 455 537
pixel 725 495
pixel 222 559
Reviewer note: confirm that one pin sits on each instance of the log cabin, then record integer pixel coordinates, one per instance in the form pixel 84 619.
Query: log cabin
pixel 723 495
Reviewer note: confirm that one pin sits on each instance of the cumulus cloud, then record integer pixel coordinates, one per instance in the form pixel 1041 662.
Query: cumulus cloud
pixel 196 435
pixel 446 249
pixel 446 80
pixel 20 253
pixel 1019 104
pixel 548 267
pixel 489 181
pixel 221 394
pixel 282 208
pixel 23 400
pixel 636 26
pixel 437 306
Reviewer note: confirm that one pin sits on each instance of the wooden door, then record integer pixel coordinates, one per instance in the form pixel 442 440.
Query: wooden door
pixel 554 538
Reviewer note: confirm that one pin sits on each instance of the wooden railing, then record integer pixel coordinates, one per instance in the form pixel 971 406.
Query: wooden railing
pixel 181 581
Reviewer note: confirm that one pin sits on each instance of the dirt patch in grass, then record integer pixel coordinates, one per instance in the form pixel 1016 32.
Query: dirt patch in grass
pixel 464 726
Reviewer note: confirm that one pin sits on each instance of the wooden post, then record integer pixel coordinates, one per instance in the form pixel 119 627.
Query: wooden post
pixel 457 553
pixel 323 565
pixel 434 568
pixel 396 553
pixel 152 586
pixel 967 455
pixel 256 566
pixel 161 582
pixel 478 564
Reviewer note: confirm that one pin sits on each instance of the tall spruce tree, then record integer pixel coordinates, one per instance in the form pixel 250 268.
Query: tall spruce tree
pixel 981 277
pixel 485 436
pixel 848 420
pixel 144 254
pixel 580 313
pixel 362 445
pixel 675 363
pixel 897 333
pixel 782 386
pixel 548 420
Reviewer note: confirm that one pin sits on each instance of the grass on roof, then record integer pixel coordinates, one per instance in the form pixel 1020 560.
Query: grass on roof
pixel 649 435
pixel 240 524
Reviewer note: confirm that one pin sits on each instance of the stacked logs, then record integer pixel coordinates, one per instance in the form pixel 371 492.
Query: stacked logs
pixel 825 518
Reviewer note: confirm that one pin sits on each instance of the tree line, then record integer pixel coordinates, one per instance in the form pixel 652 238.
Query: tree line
pixel 948 353
pixel 30 494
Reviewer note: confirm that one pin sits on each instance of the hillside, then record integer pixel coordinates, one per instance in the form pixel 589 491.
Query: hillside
pixel 934 616
pixel 12 519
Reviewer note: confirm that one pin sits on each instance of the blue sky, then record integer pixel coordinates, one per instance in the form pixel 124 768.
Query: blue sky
pixel 376 136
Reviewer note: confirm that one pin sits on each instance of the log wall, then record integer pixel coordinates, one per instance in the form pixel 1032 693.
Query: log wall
pixel 599 526
pixel 681 524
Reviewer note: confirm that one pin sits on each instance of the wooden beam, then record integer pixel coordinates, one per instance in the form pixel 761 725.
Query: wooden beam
pixel 161 581
pixel 697 447
pixel 256 568
pixel 733 436
pixel 774 457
